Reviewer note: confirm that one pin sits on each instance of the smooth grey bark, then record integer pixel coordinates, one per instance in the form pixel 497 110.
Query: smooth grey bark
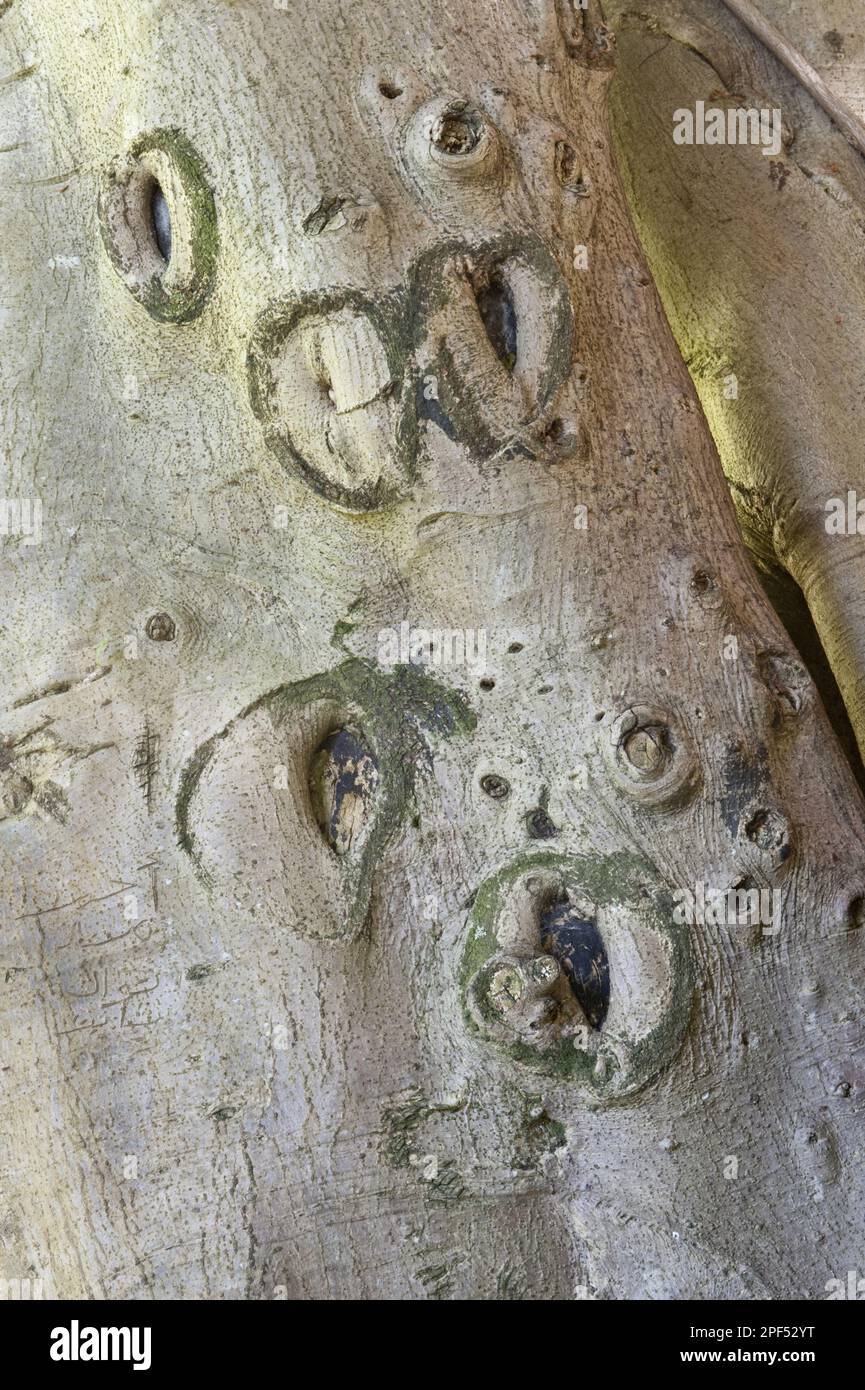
pixel 278 1014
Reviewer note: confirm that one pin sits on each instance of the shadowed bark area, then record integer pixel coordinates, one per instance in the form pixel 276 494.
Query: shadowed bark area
pixel 388 596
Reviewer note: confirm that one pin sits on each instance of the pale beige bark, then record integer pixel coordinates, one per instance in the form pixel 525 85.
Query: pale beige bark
pixel 760 263
pixel 831 37
pixel 295 1071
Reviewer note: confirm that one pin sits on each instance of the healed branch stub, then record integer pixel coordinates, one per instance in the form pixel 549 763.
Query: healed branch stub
pixel 441 1033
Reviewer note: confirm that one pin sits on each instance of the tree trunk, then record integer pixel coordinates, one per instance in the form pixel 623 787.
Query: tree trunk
pixel 766 305
pixel 386 688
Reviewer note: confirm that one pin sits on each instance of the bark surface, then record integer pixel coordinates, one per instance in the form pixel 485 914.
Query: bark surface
pixel 332 965
pixel 759 259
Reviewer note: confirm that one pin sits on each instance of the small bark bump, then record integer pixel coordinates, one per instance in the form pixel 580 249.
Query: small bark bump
pixel 161 627
pixel 495 786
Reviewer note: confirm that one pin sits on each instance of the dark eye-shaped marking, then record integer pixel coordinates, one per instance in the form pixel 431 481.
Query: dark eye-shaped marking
pixel 343 782
pixel 499 331
pixel 495 302
pixel 161 218
pixel 159 225
pixel 575 942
